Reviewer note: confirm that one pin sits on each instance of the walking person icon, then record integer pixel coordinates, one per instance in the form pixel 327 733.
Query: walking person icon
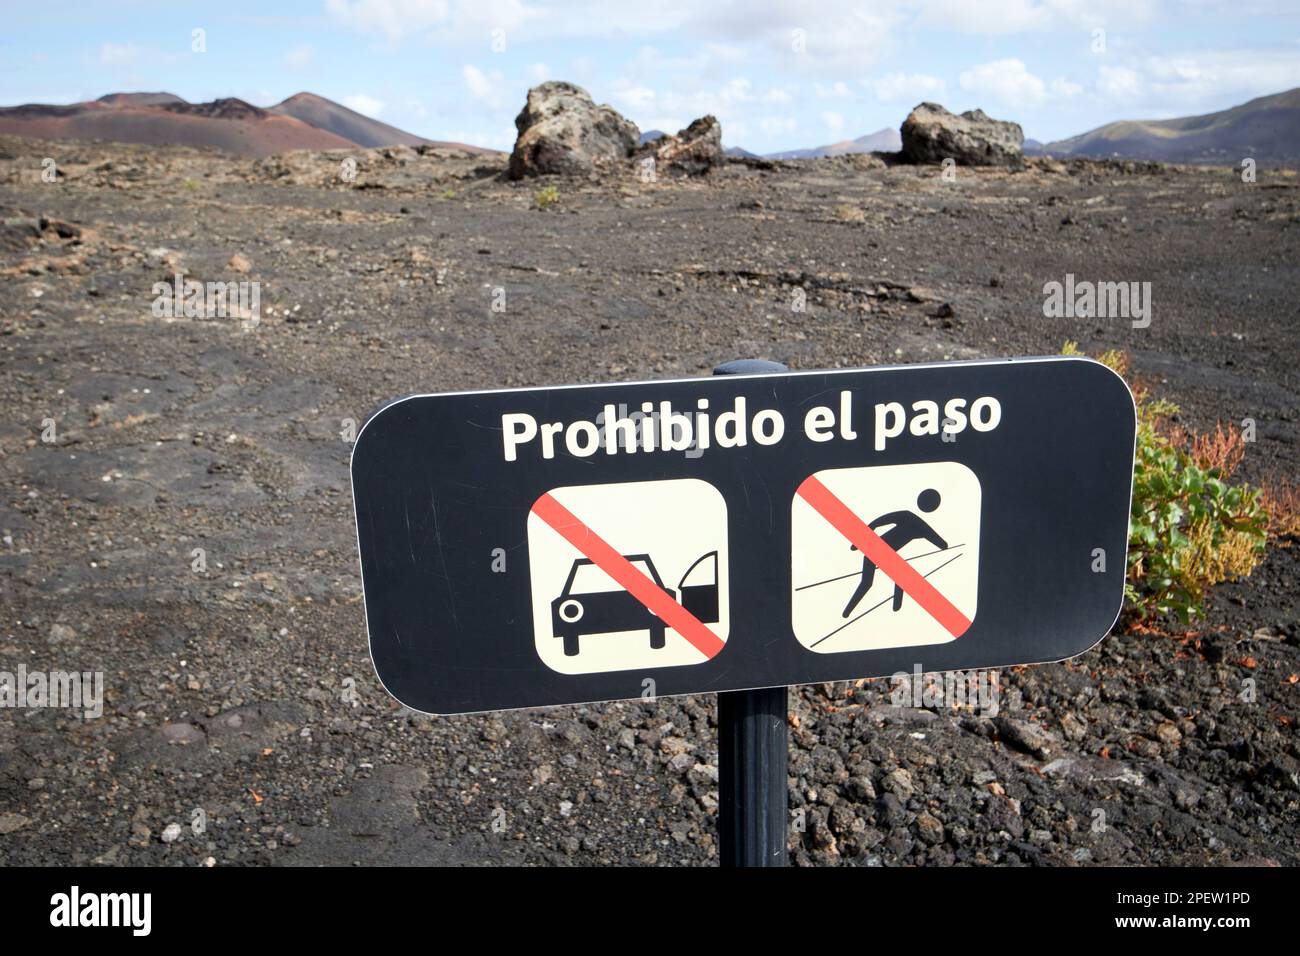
pixel 907 526
pixel 834 508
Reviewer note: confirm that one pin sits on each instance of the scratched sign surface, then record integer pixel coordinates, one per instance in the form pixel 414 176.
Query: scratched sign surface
pixel 532 547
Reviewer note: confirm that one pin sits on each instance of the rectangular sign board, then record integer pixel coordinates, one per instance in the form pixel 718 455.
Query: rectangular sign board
pixel 531 547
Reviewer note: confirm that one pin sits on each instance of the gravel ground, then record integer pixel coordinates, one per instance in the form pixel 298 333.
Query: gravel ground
pixel 243 723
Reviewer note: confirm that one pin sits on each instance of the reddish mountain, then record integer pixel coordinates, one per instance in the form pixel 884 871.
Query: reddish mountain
pixel 341 121
pixel 360 129
pixel 139 99
pixel 304 121
pixel 230 125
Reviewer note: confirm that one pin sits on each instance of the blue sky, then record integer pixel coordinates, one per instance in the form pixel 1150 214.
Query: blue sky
pixel 779 74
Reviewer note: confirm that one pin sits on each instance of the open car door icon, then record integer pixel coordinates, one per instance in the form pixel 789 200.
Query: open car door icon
pixel 701 596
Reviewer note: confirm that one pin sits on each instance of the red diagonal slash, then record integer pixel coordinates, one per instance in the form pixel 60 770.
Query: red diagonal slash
pixel 570 527
pixel 883 556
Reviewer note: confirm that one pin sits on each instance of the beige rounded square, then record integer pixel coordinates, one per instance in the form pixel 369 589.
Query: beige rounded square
pixel 674 529
pixel 829 613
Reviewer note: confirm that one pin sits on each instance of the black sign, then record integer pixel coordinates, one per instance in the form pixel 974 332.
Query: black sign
pixel 561 545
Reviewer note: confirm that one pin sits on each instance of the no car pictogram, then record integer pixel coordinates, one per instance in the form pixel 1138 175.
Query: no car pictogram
pixel 615 595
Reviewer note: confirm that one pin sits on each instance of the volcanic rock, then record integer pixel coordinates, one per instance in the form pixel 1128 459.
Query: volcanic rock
pixel 561 130
pixel 693 151
pixel 931 134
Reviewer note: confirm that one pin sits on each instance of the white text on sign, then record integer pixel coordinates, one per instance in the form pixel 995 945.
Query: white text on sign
pixel 662 427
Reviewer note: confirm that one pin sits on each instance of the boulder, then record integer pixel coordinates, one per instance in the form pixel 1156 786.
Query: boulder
pixel 18 233
pixel 561 130
pixel 931 134
pixel 693 151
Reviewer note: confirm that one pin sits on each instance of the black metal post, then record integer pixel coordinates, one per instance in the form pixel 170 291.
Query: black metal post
pixel 753 749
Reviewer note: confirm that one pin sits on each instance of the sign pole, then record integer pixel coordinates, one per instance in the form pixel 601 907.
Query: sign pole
pixel 753 748
pixel 829 520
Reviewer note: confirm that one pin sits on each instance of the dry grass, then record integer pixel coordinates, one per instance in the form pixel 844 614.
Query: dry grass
pixel 1222 449
pixel 1281 499
pixel 1206 563
pixel 847 212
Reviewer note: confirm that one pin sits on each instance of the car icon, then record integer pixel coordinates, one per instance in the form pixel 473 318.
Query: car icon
pixel 591 603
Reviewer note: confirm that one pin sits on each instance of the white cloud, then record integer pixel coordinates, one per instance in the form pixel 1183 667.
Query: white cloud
pixel 1197 82
pixel 1218 73
pixel 1005 80
pixel 538 73
pixel 392 18
pixel 366 105
pixel 633 96
pixel 119 54
pixel 412 106
pixel 455 21
pixel 987 16
pixel 839 35
pixel 836 90
pixel 1119 82
pixel 1001 17
pixel 736 132
pixel 834 121
pixel 909 87
pixel 298 57
pixel 736 90
pixel 487 88
pixel 683 101
pixel 777 125
pixel 581 68
pixel 1063 87
pixel 672 101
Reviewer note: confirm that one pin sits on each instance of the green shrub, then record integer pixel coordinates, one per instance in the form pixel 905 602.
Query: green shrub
pixel 1190 527
pixel 546 196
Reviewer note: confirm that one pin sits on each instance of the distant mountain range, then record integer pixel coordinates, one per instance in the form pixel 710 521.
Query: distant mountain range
pixel 885 140
pixel 1266 129
pixel 303 121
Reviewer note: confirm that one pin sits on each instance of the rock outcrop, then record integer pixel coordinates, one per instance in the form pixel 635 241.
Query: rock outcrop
pixel 693 151
pixel 931 134
pixel 561 130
